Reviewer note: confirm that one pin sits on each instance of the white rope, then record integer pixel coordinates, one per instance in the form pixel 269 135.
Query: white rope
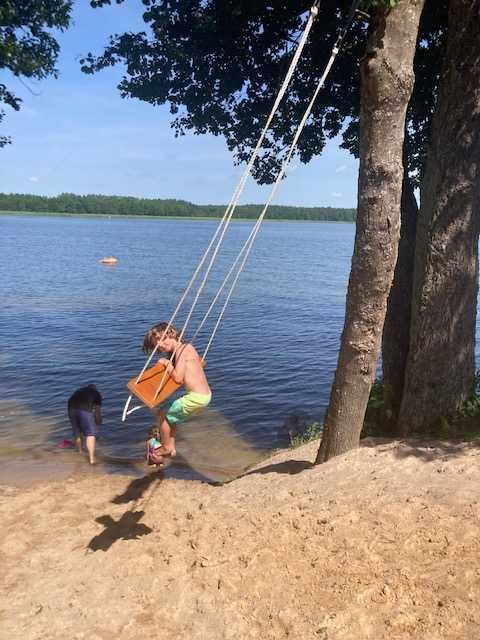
pixel 227 216
pixel 205 317
pixel 251 238
pixel 238 191
pixel 234 201
pixel 225 221
pixel 126 411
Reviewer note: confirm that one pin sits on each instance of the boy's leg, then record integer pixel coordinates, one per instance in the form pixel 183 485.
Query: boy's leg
pixel 168 441
pixel 88 429
pixel 164 427
pixel 90 441
pixel 76 429
pixel 173 432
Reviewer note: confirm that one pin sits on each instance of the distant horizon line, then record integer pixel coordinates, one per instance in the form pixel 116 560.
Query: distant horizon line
pixel 171 199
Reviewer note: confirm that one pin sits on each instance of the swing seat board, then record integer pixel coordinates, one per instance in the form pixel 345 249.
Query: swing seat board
pixel 146 388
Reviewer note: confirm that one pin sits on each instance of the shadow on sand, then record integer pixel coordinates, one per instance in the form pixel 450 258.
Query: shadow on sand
pixel 423 448
pixel 290 467
pixel 128 527
pixel 137 488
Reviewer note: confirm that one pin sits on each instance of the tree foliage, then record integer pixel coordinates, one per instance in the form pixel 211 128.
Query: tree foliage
pixel 123 205
pixel 219 65
pixel 27 48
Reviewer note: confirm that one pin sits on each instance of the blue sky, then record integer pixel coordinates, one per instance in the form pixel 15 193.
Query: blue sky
pixel 76 134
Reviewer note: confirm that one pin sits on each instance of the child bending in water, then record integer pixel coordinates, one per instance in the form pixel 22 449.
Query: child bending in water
pixel 187 370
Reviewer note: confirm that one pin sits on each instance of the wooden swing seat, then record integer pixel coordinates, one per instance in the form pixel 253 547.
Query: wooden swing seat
pixel 146 388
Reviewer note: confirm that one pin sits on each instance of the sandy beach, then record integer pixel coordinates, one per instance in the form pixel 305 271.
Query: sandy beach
pixel 380 543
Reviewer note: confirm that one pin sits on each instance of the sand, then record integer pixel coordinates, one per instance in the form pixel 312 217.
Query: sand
pixel 380 543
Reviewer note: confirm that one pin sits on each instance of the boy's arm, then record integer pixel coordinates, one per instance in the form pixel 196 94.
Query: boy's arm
pixel 177 373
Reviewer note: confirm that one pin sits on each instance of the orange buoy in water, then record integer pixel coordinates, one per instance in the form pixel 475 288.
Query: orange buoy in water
pixel 109 260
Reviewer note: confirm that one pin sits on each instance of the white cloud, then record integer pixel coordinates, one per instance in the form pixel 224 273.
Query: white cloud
pixel 341 167
pixel 34 179
pixel 336 194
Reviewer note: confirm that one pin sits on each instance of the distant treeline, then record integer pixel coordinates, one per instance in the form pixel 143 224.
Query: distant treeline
pixel 122 205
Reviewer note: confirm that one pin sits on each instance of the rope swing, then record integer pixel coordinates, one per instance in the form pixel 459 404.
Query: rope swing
pixel 152 385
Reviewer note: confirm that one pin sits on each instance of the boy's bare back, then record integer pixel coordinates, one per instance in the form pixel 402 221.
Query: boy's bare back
pixel 186 368
pixel 188 365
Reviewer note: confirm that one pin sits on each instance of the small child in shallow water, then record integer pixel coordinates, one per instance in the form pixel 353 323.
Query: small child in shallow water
pixel 152 443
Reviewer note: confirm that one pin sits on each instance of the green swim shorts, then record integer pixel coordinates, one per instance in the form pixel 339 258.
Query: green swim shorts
pixel 188 405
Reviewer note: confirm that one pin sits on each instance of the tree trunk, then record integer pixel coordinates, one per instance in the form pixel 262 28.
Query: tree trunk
pixel 396 330
pixel 386 85
pixel 441 361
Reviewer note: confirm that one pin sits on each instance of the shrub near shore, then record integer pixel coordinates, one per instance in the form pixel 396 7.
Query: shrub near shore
pixel 464 425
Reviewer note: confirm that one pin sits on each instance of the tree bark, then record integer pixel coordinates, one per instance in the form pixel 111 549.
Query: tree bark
pixel 396 330
pixel 441 361
pixel 386 85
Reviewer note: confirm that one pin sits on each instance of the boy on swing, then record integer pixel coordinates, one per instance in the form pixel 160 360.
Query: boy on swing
pixel 186 369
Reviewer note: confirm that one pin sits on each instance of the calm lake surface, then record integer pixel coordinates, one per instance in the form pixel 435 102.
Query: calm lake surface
pixel 67 320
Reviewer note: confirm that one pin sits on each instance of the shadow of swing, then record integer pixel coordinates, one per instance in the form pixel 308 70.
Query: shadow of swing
pixel 128 527
pixel 137 488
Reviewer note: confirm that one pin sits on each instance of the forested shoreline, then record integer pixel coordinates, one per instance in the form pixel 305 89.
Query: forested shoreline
pixel 123 205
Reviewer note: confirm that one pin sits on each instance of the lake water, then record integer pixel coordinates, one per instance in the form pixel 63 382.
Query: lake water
pixel 67 320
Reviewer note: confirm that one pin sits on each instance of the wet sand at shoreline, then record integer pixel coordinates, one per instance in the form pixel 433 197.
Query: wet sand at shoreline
pixel 200 457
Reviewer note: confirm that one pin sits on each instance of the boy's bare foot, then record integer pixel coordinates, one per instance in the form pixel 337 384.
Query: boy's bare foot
pixel 165 452
pixel 155 458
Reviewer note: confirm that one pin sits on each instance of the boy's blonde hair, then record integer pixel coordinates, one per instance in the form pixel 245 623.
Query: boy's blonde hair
pixel 156 333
